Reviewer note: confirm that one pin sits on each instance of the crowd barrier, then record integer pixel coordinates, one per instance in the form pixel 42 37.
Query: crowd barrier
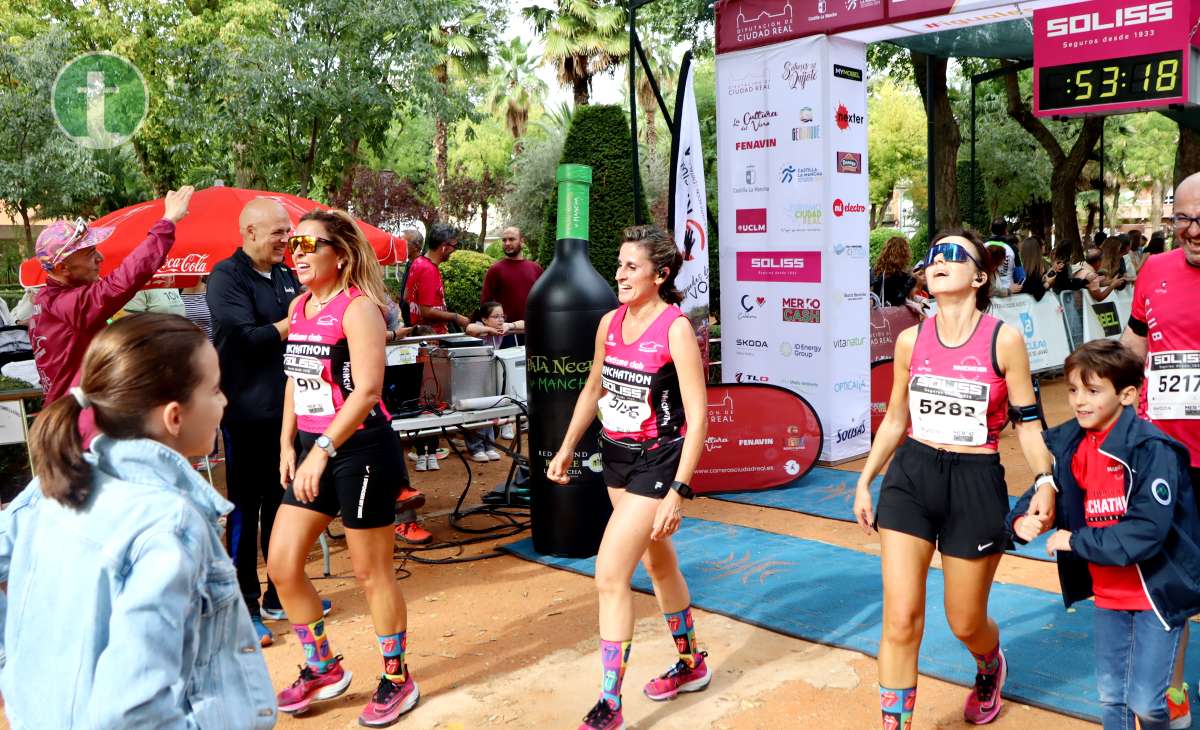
pixel 1106 318
pixel 1042 325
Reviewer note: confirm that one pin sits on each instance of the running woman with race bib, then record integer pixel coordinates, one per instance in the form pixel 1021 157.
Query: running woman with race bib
pixel 647 382
pixel 350 461
pixel 955 376
pixel 1164 330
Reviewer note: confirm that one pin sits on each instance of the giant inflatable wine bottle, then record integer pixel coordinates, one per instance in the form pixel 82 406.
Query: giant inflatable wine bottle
pixel 561 316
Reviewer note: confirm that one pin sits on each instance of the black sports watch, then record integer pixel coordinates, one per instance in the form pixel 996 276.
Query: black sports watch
pixel 684 490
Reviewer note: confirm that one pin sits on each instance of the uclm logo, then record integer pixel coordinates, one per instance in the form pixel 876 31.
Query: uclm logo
pixel 751 220
pixel 840 208
pixel 1101 20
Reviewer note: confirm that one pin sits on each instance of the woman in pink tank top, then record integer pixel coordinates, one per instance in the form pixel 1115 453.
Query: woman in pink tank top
pixel 647 386
pixel 350 461
pixel 955 376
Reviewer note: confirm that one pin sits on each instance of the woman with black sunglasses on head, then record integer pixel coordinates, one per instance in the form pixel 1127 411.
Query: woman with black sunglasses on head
pixel 350 460
pixel 956 374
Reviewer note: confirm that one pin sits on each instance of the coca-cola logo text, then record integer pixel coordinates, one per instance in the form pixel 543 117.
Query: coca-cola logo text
pixel 193 263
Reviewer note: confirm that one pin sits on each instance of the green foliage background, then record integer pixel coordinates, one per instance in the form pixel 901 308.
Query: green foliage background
pixel 599 138
pixel 462 275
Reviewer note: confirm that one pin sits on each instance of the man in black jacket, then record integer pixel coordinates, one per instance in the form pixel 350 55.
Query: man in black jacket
pixel 248 296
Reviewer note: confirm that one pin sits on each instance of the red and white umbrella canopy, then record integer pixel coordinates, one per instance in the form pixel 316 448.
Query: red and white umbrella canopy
pixel 209 234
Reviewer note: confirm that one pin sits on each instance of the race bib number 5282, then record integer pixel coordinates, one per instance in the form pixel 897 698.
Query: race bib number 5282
pixel 948 411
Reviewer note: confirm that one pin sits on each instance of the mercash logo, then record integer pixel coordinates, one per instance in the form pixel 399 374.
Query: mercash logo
pixel 557 374
pixel 99 100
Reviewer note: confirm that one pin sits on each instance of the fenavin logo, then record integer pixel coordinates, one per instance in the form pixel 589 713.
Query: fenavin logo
pixel 1100 20
pixel 99 100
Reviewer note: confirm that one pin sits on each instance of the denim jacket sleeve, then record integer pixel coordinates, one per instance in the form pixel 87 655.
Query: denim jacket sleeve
pixel 146 631
pixel 1149 510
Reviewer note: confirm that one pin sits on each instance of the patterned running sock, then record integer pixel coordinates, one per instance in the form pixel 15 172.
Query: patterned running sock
pixel 684 633
pixel 317 653
pixel 896 707
pixel 988 663
pixel 614 655
pixel 393 647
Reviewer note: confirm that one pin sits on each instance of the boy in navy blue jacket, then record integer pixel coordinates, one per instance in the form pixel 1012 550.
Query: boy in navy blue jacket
pixel 1128 533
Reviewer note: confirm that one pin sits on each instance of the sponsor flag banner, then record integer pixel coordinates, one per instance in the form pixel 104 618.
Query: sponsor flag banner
pixel 759 437
pixel 792 185
pixel 886 325
pixel 689 207
pixel 882 373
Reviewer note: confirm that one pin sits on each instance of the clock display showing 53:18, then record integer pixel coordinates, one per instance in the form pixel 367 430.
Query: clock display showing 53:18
pixel 1111 81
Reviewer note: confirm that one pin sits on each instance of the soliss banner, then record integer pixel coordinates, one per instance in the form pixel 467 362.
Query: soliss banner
pixel 759 437
pixel 792 184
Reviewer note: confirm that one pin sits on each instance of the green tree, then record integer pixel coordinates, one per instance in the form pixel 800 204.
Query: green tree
pixel 461 42
pixel 895 143
pixel 599 139
pixel 581 38
pixel 41 170
pixel 481 158
pixel 666 73
pixel 515 87
pixel 1067 162
pixel 526 202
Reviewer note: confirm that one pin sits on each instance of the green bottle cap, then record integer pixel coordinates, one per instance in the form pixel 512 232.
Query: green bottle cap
pixel 574 184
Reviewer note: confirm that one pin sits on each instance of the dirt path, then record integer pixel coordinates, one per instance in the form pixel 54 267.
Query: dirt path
pixel 504 643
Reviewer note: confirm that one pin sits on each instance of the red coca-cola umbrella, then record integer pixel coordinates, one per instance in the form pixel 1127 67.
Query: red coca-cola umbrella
pixel 208 235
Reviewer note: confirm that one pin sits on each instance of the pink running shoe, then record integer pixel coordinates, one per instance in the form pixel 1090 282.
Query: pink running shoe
pixel 603 717
pixel 983 703
pixel 390 701
pixel 313 687
pixel 680 678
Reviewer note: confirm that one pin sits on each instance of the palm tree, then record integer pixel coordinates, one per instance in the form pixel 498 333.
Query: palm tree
pixel 461 53
pixel 515 88
pixel 582 38
pixel 665 73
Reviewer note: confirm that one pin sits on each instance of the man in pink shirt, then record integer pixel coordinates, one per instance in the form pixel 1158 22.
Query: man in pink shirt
pixel 76 303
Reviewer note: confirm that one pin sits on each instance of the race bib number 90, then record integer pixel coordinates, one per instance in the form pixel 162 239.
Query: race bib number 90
pixel 948 411
pixel 312 395
pixel 1173 385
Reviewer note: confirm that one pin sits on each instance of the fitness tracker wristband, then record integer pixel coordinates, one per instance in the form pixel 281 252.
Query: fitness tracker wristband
pixel 1043 478
pixel 684 490
pixel 326 444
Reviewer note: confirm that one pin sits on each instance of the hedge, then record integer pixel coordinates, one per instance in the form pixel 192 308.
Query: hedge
pixel 599 138
pixel 462 276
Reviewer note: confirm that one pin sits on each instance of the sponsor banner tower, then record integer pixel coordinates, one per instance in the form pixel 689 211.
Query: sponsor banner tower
pixel 792 184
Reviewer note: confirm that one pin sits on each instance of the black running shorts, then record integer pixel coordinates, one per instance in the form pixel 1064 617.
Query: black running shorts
pixel 958 502
pixel 645 471
pixel 361 482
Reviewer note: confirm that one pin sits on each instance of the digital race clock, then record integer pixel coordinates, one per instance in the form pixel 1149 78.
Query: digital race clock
pixel 1114 56
pixel 1111 81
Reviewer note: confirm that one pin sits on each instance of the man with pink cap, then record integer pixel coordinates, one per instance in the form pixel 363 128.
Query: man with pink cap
pixel 76 303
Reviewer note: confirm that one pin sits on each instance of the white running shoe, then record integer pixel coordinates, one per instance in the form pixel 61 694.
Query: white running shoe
pixel 479 456
pixel 507 431
pixel 423 462
pixel 431 462
pixel 492 455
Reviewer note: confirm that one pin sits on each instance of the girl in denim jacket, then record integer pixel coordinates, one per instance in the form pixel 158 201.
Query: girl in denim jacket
pixel 122 609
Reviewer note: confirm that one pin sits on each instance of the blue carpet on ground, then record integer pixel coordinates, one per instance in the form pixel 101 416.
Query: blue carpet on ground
pixel 833 595
pixel 829 493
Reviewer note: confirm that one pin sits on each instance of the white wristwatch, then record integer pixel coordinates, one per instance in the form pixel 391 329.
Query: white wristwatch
pixel 326 444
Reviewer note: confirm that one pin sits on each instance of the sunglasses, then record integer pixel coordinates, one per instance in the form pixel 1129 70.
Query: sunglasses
pixel 306 244
pixel 951 252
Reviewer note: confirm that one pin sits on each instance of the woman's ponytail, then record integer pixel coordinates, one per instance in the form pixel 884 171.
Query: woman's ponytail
pixel 56 447
pixel 137 364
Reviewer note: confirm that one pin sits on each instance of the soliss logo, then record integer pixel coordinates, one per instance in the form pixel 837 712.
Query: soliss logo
pixel 1089 22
